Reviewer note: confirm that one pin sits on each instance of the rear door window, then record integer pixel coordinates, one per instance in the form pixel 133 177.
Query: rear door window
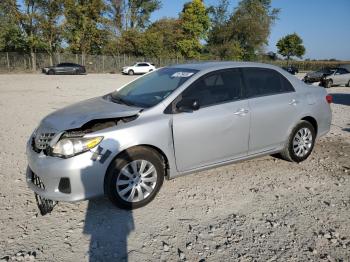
pixel 342 71
pixel 264 81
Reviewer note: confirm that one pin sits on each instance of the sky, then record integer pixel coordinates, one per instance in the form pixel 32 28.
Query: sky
pixel 324 25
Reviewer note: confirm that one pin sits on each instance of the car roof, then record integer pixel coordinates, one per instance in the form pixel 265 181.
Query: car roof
pixel 207 66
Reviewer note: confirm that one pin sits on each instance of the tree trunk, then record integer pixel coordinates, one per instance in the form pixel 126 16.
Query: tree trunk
pixel 8 61
pixel 51 59
pixel 50 53
pixel 33 59
pixel 83 58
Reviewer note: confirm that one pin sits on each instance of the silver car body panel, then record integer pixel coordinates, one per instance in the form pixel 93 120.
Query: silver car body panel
pixel 74 116
pixel 190 142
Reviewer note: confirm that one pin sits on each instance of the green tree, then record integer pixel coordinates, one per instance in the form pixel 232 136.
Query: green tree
pixel 164 35
pixel 251 24
pixel 86 26
pixel 244 32
pixel 219 14
pixel 220 42
pixel 11 36
pixel 130 42
pixel 291 45
pixel 139 12
pixel 50 16
pixel 30 26
pixel 116 10
pixel 131 14
pixel 195 23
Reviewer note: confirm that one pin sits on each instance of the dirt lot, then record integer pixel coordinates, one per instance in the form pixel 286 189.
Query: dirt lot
pixel 263 209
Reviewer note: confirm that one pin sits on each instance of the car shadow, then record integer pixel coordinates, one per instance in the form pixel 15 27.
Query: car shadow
pixel 107 225
pixel 341 99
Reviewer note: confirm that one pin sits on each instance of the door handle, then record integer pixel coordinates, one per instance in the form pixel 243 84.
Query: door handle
pixel 241 112
pixel 293 102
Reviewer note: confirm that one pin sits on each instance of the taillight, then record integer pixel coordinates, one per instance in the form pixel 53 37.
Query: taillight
pixel 329 99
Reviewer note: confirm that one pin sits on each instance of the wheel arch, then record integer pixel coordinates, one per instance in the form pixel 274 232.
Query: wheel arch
pixel 154 148
pixel 312 121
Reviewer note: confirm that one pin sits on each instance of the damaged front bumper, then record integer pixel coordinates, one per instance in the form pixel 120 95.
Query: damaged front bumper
pixel 73 179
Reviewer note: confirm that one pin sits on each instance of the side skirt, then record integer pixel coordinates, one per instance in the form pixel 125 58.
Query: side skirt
pixel 224 163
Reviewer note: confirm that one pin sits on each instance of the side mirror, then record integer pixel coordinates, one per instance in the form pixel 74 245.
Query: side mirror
pixel 187 105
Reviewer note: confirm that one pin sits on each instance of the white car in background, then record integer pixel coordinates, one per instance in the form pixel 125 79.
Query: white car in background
pixel 138 68
pixel 340 76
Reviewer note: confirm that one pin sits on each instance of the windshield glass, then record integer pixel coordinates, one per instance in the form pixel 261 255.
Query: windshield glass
pixel 153 88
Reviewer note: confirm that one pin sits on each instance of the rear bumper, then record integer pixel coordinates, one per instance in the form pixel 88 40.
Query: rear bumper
pixel 85 176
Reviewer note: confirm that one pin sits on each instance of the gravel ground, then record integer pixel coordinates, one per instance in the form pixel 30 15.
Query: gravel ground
pixel 264 209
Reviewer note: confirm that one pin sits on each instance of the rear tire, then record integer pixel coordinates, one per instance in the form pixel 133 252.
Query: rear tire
pixel 348 84
pixel 128 172
pixel 329 83
pixel 300 143
pixel 131 72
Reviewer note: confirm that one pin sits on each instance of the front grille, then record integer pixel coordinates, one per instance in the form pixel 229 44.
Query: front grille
pixel 37 181
pixel 41 141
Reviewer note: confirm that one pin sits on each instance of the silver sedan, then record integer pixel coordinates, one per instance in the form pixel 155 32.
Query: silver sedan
pixel 174 121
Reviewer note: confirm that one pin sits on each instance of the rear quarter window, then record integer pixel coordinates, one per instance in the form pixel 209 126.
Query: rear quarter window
pixel 264 81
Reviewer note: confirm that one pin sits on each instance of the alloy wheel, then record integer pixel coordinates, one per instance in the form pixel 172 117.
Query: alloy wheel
pixel 302 142
pixel 136 181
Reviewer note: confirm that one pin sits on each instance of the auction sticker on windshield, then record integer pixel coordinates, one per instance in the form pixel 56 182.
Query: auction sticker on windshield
pixel 182 74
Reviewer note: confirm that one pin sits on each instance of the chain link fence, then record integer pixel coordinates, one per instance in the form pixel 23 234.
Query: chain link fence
pixel 21 62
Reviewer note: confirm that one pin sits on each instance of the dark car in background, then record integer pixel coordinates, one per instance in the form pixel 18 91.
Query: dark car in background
pixel 65 69
pixel 291 69
pixel 318 75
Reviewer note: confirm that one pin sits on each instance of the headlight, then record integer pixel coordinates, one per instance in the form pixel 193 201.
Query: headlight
pixel 68 147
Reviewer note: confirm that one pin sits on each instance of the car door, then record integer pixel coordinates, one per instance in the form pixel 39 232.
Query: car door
pixel 138 68
pixel 60 68
pixel 64 68
pixel 341 76
pixel 274 107
pixel 144 67
pixel 336 77
pixel 219 130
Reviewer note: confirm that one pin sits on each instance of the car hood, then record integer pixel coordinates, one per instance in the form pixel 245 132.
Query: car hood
pixel 76 115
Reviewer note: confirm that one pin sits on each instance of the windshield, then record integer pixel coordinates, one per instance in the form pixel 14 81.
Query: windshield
pixel 152 88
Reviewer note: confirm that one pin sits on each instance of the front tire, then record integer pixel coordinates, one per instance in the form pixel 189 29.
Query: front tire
pixel 348 84
pixel 51 72
pixel 300 143
pixel 131 72
pixel 134 178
